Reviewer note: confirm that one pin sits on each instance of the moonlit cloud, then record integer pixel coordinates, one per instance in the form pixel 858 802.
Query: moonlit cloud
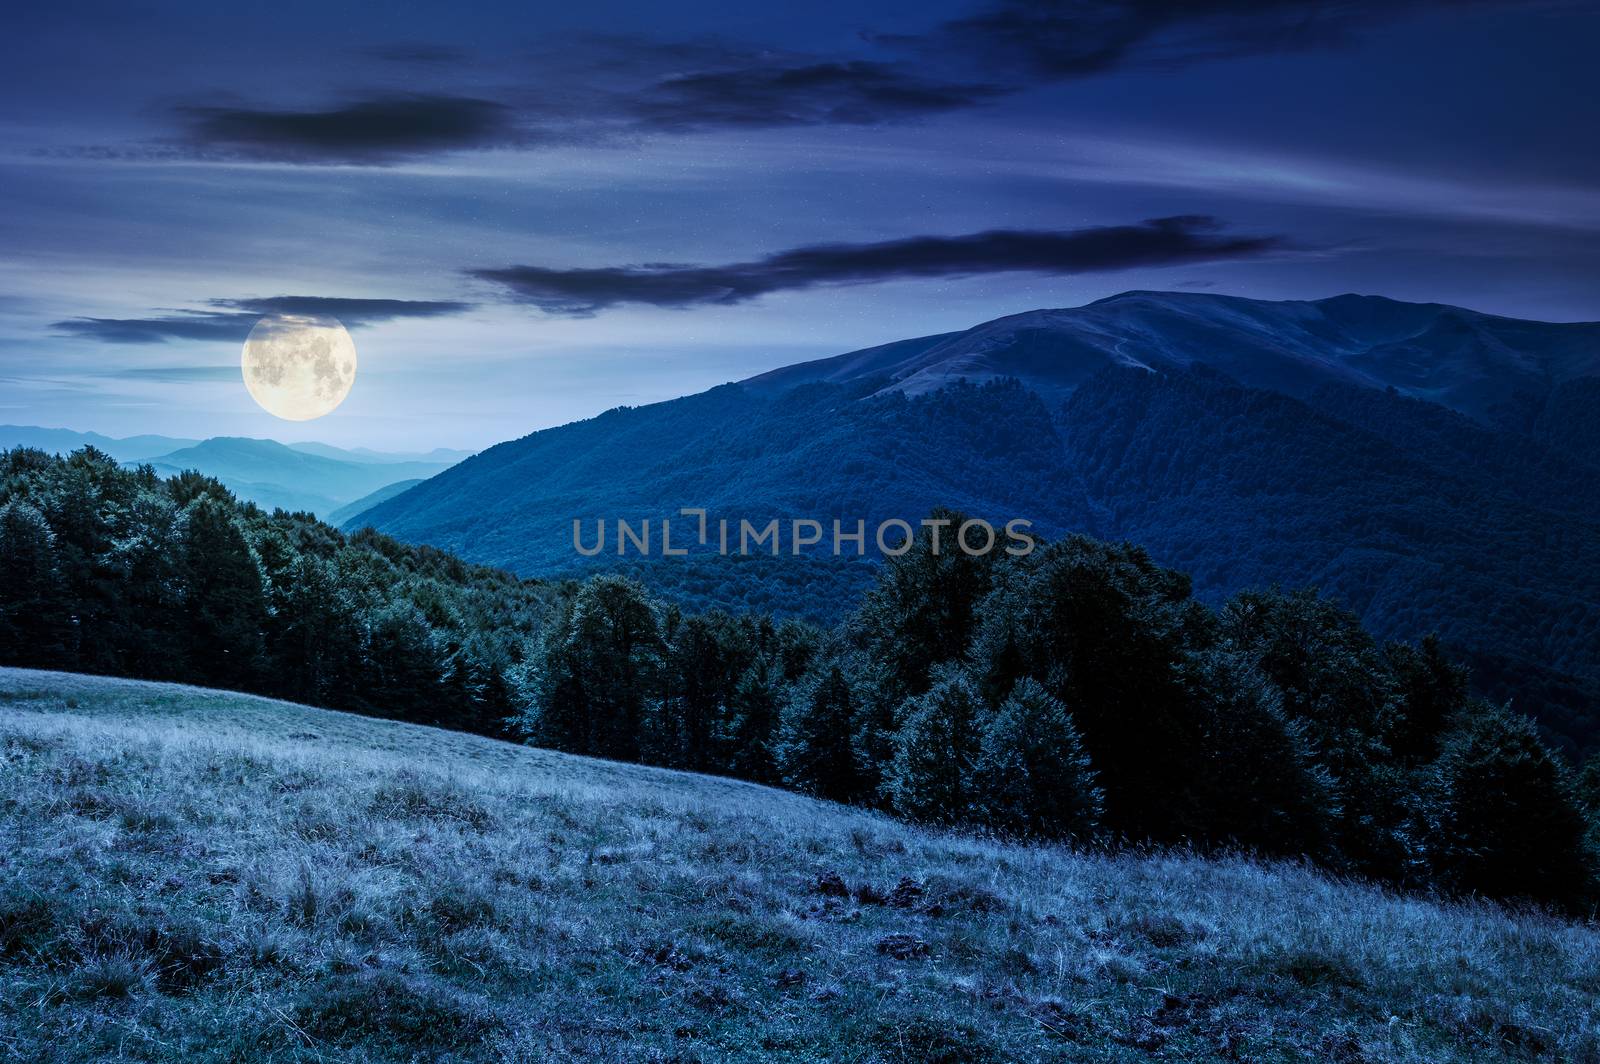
pixel 376 130
pixel 612 89
pixel 234 321
pixel 1160 242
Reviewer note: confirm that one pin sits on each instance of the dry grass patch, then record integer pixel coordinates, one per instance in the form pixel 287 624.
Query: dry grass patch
pixel 189 877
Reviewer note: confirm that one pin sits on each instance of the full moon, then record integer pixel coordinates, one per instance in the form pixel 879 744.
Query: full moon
pixel 299 366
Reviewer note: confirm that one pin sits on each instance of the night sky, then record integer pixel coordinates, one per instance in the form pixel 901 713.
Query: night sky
pixel 528 213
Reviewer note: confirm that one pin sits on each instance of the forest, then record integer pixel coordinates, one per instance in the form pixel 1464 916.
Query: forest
pixel 1080 693
pixel 1414 517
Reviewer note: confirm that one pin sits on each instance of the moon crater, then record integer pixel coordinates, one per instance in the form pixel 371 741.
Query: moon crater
pixel 299 366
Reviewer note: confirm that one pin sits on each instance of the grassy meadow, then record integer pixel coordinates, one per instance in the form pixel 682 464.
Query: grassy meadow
pixel 196 875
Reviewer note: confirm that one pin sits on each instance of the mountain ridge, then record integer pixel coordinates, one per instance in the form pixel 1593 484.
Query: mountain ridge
pixel 1317 453
pixel 1293 346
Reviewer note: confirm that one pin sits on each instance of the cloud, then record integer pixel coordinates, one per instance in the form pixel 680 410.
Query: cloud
pixel 612 99
pixel 183 325
pixel 1159 242
pixel 353 312
pixel 617 88
pixel 234 318
pixel 376 130
pixel 176 374
pixel 842 93
pixel 1057 40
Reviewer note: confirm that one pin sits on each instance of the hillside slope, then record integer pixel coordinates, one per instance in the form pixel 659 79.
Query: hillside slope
pixel 1431 467
pixel 351 510
pixel 199 875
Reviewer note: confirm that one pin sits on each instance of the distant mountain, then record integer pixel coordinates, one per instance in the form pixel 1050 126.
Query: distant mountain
pixel 64 441
pixel 437 456
pixel 1433 467
pixel 312 477
pixel 274 475
pixel 350 511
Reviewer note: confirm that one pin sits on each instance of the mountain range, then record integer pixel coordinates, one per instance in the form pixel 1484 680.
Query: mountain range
pixel 1434 468
pixel 328 481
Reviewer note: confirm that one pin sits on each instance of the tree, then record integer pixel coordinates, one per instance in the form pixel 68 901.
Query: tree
pixel 403 670
pixel 934 752
pixel 224 596
pixel 315 644
pixel 818 752
pixel 1104 630
pixel 1432 689
pixel 587 683
pixel 1032 776
pixel 753 725
pixel 700 671
pixel 34 626
pixel 150 623
pixel 1506 820
pixel 1332 677
pixel 922 610
pixel 1256 783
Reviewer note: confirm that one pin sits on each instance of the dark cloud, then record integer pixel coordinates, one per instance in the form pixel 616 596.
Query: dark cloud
pixel 855 93
pixel 1159 242
pixel 377 130
pixel 233 318
pixel 1054 40
pixel 353 312
pixel 615 88
pixel 184 325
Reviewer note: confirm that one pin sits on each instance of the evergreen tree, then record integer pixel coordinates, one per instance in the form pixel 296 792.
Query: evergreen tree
pixel 150 620
pixel 818 752
pixel 1032 776
pixel 316 647
pixel 587 685
pixel 1432 690
pixel 78 502
pixel 753 726
pixel 935 750
pixel 403 664
pixel 699 673
pixel 224 599
pixel 34 625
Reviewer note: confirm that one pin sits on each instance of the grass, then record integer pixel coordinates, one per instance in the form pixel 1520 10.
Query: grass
pixel 196 875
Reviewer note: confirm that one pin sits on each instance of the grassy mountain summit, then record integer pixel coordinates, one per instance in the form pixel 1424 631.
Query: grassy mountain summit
pixel 1494 369
pixel 199 875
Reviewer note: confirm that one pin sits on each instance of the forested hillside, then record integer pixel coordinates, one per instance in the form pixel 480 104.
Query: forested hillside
pixel 1415 517
pixel 119 571
pixel 1079 691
